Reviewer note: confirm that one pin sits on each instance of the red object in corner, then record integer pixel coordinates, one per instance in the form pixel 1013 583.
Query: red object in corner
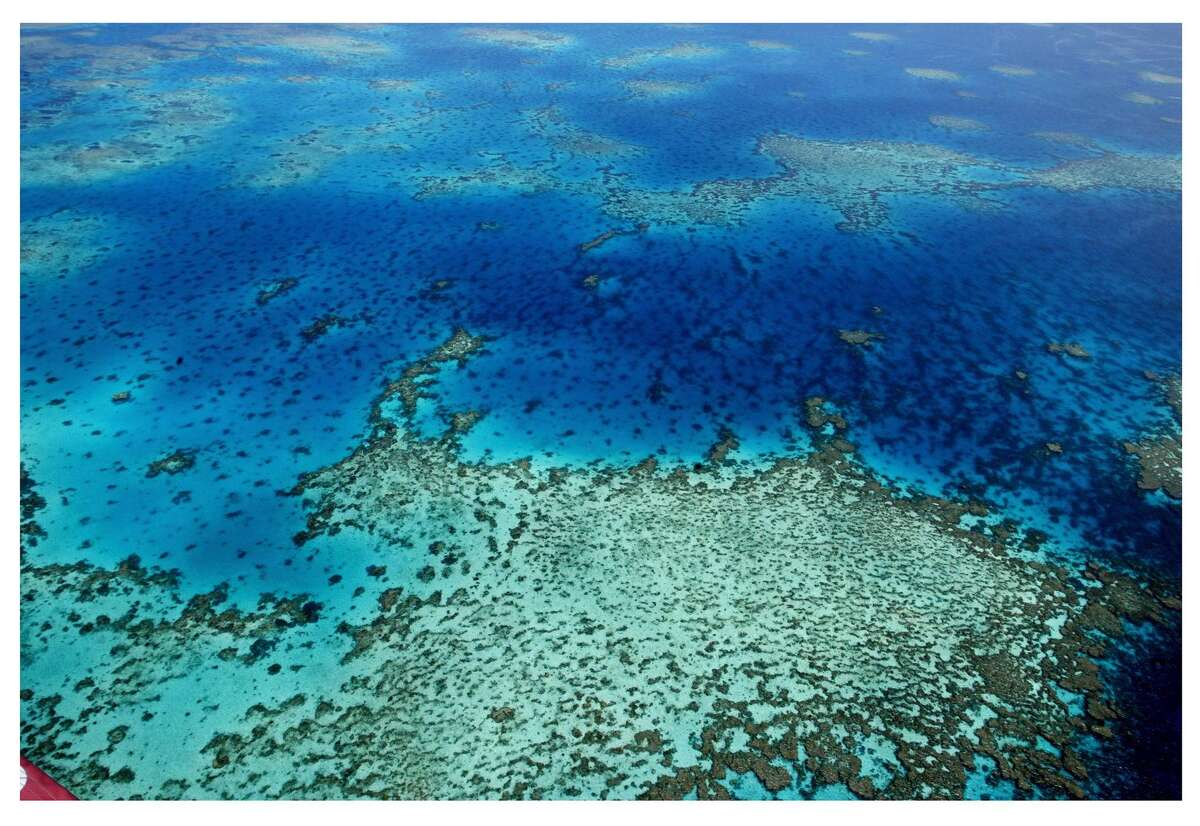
pixel 39 785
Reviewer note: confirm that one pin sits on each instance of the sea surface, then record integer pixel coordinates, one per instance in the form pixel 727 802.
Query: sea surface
pixel 615 411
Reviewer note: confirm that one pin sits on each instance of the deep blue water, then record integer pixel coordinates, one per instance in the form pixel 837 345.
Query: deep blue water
pixel 692 326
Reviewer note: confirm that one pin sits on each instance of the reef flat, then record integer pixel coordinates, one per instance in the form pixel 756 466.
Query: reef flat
pixel 601 412
pixel 804 624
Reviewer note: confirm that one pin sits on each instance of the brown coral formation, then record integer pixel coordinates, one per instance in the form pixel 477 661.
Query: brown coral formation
pixel 1160 455
pixel 608 235
pixel 1161 464
pixel 173 463
pixel 859 338
pixel 31 503
pixel 419 377
pixel 727 442
pixel 271 291
pixel 1069 348
pixel 321 326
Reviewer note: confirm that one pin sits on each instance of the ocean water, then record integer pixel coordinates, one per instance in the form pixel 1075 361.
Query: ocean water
pixel 782 411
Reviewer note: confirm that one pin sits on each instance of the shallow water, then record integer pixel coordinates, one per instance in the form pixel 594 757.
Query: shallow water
pixel 357 338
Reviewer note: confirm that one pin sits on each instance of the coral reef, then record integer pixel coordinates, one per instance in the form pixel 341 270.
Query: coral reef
pixel 934 74
pixel 863 625
pixel 534 40
pixel 640 57
pixel 1013 71
pixel 957 123
pixel 1161 464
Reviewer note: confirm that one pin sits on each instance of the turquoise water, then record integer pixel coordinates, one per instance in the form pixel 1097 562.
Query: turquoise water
pixel 344 349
